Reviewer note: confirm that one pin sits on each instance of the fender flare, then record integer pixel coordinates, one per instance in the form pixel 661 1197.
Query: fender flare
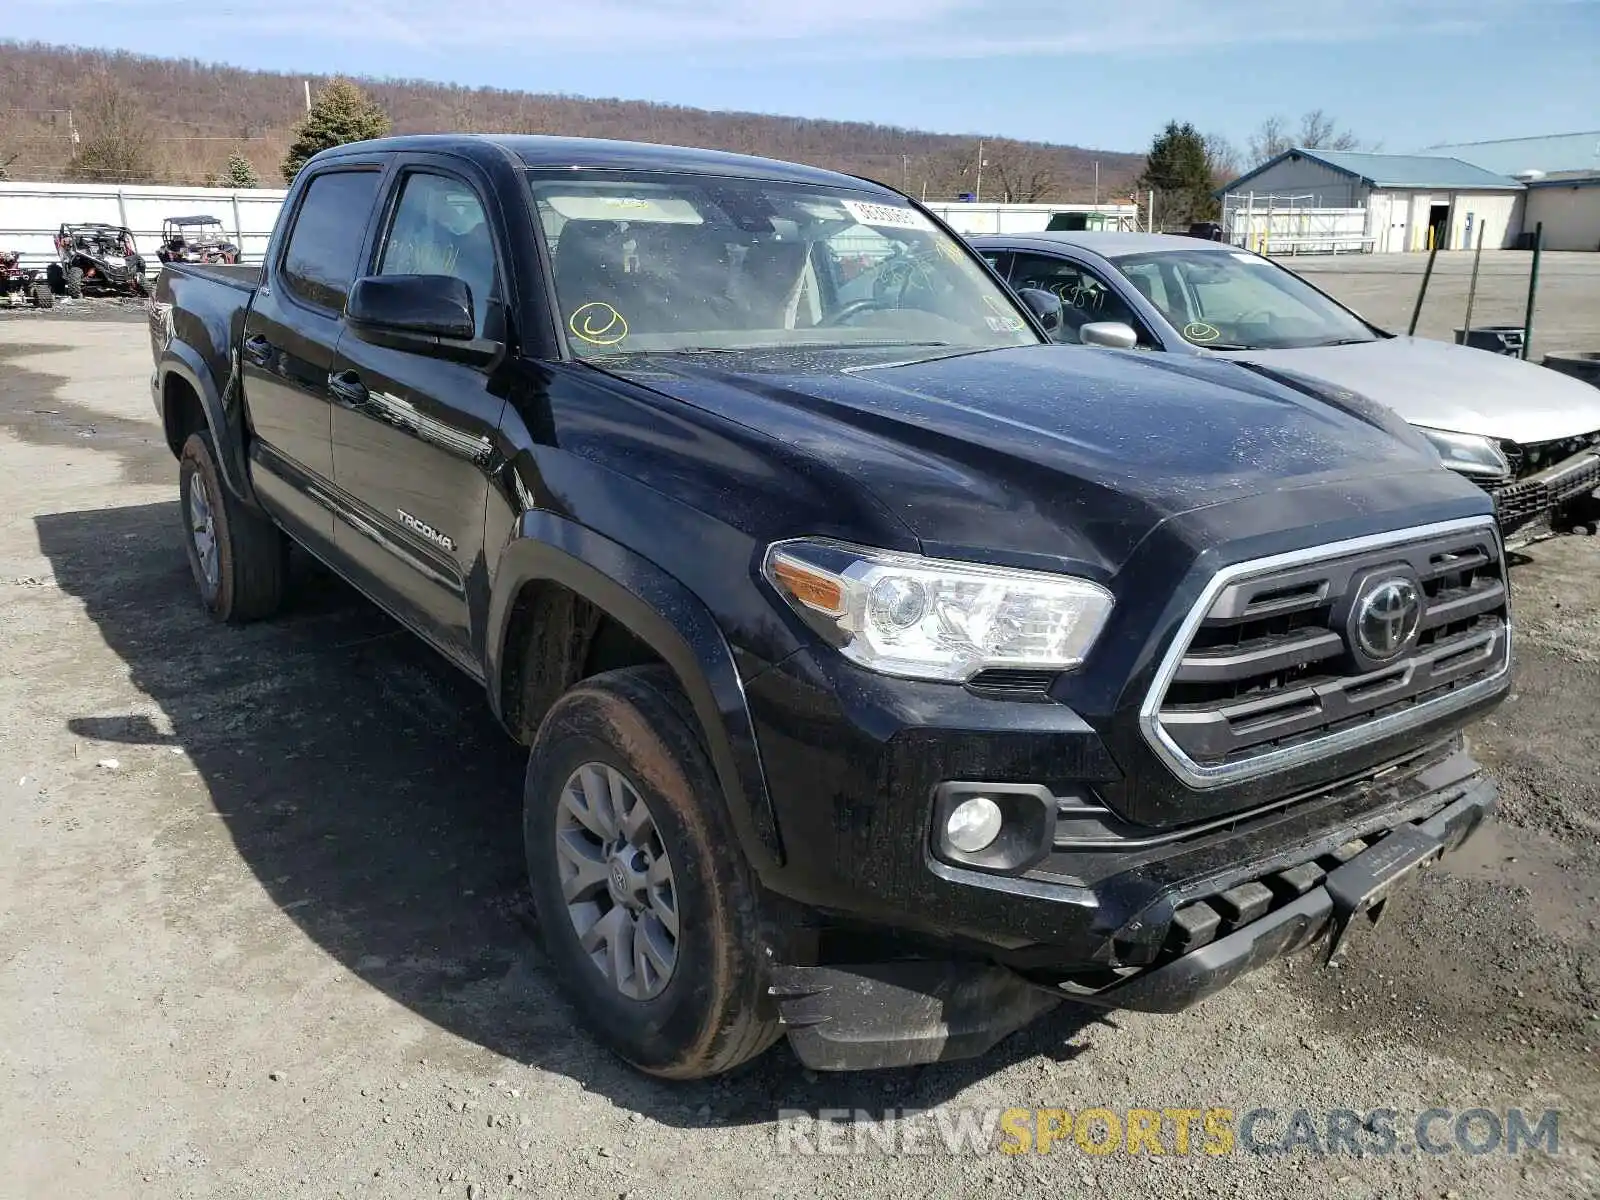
pixel 666 616
pixel 182 360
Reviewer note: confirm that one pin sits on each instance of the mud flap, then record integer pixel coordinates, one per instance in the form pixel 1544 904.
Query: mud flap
pixel 900 1014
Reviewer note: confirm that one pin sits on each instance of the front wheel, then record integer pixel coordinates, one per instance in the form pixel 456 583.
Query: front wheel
pixel 74 282
pixel 43 297
pixel 240 560
pixel 646 906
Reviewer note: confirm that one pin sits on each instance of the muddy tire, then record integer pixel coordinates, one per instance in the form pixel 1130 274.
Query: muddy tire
pixel 42 296
pixel 240 560
pixel 72 282
pixel 646 906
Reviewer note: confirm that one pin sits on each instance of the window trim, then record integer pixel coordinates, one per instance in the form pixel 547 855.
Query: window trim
pixel 281 257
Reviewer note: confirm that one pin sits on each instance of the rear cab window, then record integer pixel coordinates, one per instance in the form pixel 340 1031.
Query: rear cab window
pixel 323 250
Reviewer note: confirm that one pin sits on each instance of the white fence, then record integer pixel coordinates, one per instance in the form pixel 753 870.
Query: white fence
pixel 1274 225
pixel 970 220
pixel 32 213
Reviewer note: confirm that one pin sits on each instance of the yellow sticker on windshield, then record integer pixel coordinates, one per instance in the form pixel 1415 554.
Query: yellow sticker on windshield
pixel 598 324
pixel 1005 320
pixel 1199 331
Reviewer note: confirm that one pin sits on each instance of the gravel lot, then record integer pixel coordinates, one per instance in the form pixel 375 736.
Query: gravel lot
pixel 263 931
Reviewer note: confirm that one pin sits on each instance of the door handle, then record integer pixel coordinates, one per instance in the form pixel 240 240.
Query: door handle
pixel 347 388
pixel 257 349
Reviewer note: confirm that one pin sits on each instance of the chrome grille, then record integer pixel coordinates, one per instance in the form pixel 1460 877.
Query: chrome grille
pixel 1267 669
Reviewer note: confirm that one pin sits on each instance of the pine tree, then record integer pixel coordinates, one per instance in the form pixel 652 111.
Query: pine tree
pixel 239 173
pixel 342 113
pixel 1180 172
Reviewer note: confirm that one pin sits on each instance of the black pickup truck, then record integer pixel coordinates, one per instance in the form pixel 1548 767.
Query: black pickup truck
pixel 889 674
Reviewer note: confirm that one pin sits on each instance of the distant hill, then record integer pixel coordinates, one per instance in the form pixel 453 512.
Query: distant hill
pixel 181 119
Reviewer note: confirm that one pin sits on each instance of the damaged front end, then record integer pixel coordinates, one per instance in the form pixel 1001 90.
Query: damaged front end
pixel 1552 487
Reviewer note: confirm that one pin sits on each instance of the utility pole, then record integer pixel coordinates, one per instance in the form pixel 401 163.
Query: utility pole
pixel 308 95
pixel 977 194
pixel 1097 183
pixel 905 172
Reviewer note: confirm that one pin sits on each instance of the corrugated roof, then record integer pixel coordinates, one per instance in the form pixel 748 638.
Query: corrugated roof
pixel 1512 156
pixel 1397 170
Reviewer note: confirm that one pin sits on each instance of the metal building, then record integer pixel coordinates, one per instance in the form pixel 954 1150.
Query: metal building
pixel 1562 172
pixel 1519 156
pixel 1567 205
pixel 1411 202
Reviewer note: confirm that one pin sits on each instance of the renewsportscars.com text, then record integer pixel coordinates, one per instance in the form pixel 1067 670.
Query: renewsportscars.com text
pixel 1212 1130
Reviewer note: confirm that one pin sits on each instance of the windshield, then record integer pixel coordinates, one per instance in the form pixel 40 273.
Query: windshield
pixel 674 263
pixel 1230 300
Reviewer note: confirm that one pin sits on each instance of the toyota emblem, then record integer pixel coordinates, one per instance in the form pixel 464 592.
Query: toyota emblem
pixel 1386 618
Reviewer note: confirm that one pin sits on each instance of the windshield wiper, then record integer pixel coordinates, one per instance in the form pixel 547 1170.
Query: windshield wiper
pixel 876 345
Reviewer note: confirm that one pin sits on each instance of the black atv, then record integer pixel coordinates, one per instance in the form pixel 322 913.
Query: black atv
pixel 98 257
pixel 18 281
pixel 195 240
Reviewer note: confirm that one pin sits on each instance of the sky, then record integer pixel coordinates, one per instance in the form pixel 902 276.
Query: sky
pixel 1405 74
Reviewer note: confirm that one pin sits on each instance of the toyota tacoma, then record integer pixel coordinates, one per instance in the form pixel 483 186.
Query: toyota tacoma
pixel 889 673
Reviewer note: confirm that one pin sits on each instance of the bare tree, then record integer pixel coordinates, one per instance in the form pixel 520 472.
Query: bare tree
pixel 1270 139
pixel 1222 159
pixel 114 137
pixel 952 170
pixel 1317 131
pixel 1023 174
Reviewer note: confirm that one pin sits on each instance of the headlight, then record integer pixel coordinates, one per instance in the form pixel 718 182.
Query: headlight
pixel 1469 453
pixel 927 618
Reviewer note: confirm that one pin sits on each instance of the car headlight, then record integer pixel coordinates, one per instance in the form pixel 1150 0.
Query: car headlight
pixel 927 618
pixel 1469 453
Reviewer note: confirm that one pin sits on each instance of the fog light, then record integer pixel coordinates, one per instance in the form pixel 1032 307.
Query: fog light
pixel 973 824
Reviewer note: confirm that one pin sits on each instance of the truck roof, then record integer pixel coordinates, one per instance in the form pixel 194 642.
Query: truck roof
pixel 1106 243
pixel 538 150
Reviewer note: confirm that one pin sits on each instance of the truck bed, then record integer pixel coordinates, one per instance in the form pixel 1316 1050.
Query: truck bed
pixel 244 276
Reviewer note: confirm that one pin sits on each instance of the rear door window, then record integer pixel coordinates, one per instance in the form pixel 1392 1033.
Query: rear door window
pixel 324 249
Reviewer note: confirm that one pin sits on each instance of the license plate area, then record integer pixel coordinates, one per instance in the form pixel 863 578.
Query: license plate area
pixel 1362 886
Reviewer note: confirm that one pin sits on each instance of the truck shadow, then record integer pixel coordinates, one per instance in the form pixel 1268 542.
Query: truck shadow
pixel 365 784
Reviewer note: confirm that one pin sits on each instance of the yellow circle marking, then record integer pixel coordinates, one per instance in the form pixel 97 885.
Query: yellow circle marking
pixel 1199 331
pixel 598 324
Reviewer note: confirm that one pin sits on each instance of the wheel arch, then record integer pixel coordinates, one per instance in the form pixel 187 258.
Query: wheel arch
pixel 568 587
pixel 189 402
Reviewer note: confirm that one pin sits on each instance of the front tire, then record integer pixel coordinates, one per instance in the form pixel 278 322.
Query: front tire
pixel 43 297
pixel 240 560
pixel 646 905
pixel 74 282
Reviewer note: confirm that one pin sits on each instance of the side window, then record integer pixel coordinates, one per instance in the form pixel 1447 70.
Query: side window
pixel 1000 260
pixel 319 262
pixel 1085 297
pixel 439 229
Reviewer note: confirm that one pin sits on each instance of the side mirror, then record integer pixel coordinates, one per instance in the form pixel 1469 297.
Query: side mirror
pixel 1115 335
pixel 428 306
pixel 421 314
pixel 1044 305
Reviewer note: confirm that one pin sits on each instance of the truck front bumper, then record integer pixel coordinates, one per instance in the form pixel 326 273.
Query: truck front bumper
pixel 931 1009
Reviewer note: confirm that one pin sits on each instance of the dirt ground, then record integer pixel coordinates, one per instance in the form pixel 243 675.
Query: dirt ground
pixel 263 929
pixel 1384 287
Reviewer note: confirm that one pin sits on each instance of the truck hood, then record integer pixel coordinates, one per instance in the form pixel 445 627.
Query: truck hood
pixel 1055 456
pixel 1445 386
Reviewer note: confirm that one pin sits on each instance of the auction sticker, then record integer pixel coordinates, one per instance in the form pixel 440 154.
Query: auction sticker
pixel 886 216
